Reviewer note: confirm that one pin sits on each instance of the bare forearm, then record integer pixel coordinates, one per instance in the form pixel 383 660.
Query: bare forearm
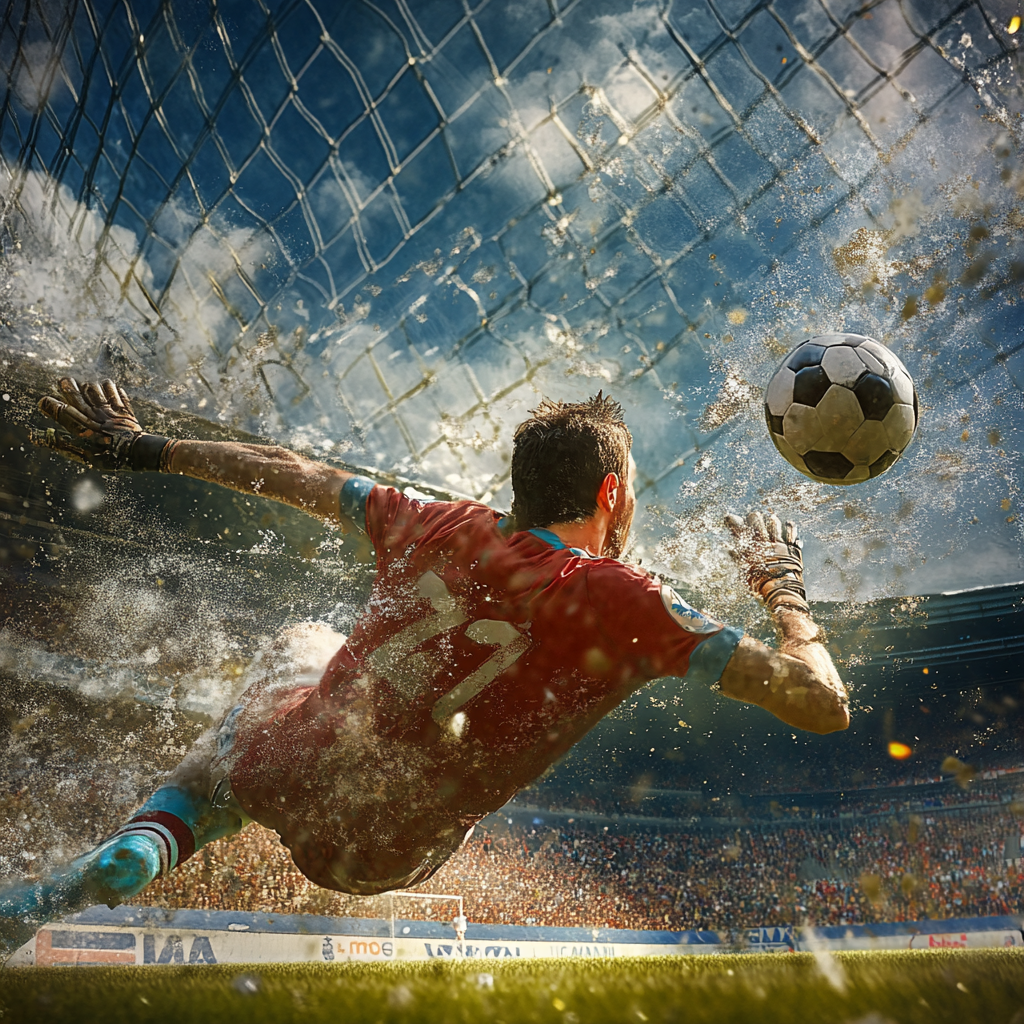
pixel 797 683
pixel 102 430
pixel 801 641
pixel 264 470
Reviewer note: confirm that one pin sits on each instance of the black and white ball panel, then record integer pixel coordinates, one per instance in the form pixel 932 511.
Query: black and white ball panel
pixel 900 423
pixel 875 395
pixel 843 365
pixel 841 416
pixel 866 442
pixel 801 427
pixel 841 408
pixel 779 396
pixel 805 355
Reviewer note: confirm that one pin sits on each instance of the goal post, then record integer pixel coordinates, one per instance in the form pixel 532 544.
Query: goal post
pixel 458 922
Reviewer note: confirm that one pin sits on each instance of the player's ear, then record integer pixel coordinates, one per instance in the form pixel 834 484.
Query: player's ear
pixel 608 493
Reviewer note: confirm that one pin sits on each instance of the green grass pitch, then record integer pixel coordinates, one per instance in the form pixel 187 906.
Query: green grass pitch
pixel 848 988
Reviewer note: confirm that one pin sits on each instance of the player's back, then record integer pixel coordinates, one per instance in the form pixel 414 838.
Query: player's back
pixel 495 650
pixel 483 655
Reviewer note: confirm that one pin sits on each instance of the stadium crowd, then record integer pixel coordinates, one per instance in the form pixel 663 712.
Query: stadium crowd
pixel 808 805
pixel 910 867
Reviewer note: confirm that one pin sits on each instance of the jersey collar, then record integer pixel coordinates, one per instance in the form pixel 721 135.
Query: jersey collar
pixel 552 539
pixel 556 542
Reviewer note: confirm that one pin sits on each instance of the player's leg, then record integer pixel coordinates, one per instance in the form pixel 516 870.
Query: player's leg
pixel 173 823
pixel 193 807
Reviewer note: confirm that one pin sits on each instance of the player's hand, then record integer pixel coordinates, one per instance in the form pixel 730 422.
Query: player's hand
pixel 100 428
pixel 773 556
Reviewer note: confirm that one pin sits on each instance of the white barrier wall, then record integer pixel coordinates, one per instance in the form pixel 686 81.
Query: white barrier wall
pixel 148 936
pixel 912 940
pixel 82 945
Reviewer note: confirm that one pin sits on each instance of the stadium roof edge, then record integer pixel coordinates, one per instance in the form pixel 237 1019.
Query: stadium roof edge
pixel 1014 592
pixel 971 590
pixel 923 611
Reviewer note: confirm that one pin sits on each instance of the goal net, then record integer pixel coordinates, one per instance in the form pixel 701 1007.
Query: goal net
pixel 387 228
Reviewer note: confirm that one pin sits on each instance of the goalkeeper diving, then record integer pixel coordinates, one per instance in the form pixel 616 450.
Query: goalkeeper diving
pixel 491 643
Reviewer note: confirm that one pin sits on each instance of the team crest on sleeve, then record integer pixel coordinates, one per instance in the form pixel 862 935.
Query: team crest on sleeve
pixel 689 618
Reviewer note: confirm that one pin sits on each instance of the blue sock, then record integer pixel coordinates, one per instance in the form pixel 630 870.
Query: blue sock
pixel 115 871
pixel 179 822
pixel 165 832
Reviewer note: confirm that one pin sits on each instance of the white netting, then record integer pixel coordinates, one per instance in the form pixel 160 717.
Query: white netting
pixel 386 228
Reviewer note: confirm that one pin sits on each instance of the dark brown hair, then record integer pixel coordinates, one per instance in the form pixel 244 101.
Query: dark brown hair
pixel 560 456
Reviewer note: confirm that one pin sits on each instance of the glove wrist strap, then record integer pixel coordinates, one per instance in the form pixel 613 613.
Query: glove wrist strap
pixel 782 585
pixel 167 453
pixel 145 453
pixel 785 598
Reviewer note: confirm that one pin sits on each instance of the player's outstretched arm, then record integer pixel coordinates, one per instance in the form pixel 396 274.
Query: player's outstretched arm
pixel 797 683
pixel 265 470
pixel 103 431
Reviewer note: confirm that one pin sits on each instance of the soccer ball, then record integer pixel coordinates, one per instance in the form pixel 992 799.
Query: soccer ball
pixel 841 408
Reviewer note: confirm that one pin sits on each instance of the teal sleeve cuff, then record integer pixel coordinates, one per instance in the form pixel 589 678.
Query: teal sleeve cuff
pixel 352 500
pixel 708 661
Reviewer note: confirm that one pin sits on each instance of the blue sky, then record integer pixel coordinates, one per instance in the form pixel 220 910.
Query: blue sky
pixel 382 233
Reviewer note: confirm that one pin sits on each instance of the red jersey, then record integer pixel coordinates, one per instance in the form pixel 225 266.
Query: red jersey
pixel 480 660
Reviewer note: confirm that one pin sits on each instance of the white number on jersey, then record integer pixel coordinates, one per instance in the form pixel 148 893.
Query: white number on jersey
pixel 410 671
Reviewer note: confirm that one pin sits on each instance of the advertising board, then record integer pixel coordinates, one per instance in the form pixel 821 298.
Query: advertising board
pixel 145 935
pixel 140 935
pixel 964 933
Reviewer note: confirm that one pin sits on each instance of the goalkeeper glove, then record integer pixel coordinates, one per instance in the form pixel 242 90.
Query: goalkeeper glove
pixel 774 559
pixel 101 429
